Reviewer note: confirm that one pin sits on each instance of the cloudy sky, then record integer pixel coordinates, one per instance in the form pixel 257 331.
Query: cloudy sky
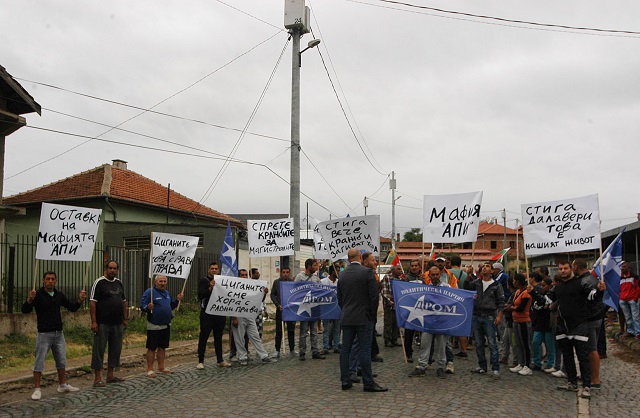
pixel 451 103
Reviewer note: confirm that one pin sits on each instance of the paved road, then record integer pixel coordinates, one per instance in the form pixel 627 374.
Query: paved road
pixel 291 388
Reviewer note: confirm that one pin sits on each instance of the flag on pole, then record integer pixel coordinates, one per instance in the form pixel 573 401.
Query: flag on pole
pixel 228 255
pixel 611 261
pixel 432 253
pixel 500 254
pixel 392 258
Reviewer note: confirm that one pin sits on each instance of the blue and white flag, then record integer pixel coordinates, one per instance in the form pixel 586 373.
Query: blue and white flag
pixel 433 309
pixel 228 256
pixel 308 301
pixel 611 261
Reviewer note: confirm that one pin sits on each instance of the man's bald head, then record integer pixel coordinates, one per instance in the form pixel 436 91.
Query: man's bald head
pixel 353 254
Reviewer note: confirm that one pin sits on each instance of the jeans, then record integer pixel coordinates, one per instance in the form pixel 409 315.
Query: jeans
pixel 302 343
pixel 349 333
pixel 331 333
pixel 632 315
pixel 536 348
pixel 484 329
pixel 53 340
pixel 210 323
pixel 291 332
pixel 248 326
pixel 107 334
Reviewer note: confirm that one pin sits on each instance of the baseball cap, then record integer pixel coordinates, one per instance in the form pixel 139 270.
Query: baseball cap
pixel 441 259
pixel 498 266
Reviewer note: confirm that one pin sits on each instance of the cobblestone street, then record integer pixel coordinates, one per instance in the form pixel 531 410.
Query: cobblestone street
pixel 268 390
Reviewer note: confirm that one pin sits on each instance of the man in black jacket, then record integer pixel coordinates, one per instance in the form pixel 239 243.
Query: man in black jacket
pixel 209 322
pixel 47 301
pixel 487 315
pixel 358 299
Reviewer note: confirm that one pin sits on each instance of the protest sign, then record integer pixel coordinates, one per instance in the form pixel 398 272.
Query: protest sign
pixel 233 296
pixel 451 218
pixel 67 232
pixel 433 309
pixel 561 226
pixel 171 254
pixel 361 232
pixel 306 301
pixel 269 238
pixel 319 249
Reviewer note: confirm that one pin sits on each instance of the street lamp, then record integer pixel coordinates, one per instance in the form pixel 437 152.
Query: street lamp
pixel 294 190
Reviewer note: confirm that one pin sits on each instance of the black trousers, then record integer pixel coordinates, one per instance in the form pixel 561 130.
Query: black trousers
pixel 291 332
pixel 210 323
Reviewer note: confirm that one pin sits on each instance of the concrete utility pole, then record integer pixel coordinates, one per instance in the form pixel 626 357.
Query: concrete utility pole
pixel 365 204
pixel 297 20
pixel 504 240
pixel 392 186
pixel 294 191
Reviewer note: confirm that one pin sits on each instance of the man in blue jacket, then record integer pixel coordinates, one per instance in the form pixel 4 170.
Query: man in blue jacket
pixel 158 305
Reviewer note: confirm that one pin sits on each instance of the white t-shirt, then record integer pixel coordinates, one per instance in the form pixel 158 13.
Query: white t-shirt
pixel 328 282
pixel 486 284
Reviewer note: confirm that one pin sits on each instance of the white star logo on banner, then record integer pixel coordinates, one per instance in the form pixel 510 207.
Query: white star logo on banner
pixel 418 311
pixel 308 303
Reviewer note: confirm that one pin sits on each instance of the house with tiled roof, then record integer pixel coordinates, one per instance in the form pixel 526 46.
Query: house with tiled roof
pixel 132 206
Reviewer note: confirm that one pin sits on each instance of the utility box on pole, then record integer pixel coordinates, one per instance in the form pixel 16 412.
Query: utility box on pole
pixel 297 15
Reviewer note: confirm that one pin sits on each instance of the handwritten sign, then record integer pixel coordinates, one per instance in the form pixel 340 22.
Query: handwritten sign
pixel 233 296
pixel 67 232
pixel 361 232
pixel 451 218
pixel 171 254
pixel 319 249
pixel 561 226
pixel 270 238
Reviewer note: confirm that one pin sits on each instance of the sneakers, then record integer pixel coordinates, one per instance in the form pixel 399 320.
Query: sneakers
pixel 495 375
pixel 479 370
pixel 596 386
pixel 525 371
pixel 418 372
pixel 200 366
pixel 243 362
pixel 586 393
pixel 516 369
pixel 233 358
pixel 221 364
pixel 276 354
pixel 450 368
pixel 318 356
pixel 569 387
pixel 462 355
pixel 549 370
pixel 560 374
pixel 37 394
pixel 269 360
pixel 440 374
pixel 66 388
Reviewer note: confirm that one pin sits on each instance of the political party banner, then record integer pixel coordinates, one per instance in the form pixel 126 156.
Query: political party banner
pixel 67 232
pixel 451 218
pixel 172 254
pixel 306 301
pixel 233 296
pixel 361 232
pixel 269 238
pixel 433 309
pixel 561 226
pixel 320 251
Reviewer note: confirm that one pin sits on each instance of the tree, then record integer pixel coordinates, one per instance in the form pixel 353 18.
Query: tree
pixel 414 235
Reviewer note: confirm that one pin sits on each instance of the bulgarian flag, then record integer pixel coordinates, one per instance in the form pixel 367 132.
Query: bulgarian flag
pixel 500 254
pixel 392 258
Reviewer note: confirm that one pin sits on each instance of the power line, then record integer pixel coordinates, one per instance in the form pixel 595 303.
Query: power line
pixel 252 16
pixel 342 90
pixel 218 176
pixel 143 111
pixel 537 26
pixel 326 181
pixel 235 160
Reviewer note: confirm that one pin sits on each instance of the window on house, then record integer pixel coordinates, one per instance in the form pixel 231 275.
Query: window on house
pixel 494 245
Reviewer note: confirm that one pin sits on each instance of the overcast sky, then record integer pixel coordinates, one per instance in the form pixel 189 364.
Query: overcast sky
pixel 451 103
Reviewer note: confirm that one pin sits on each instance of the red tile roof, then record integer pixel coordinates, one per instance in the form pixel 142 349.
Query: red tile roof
pixel 116 183
pixel 487 228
